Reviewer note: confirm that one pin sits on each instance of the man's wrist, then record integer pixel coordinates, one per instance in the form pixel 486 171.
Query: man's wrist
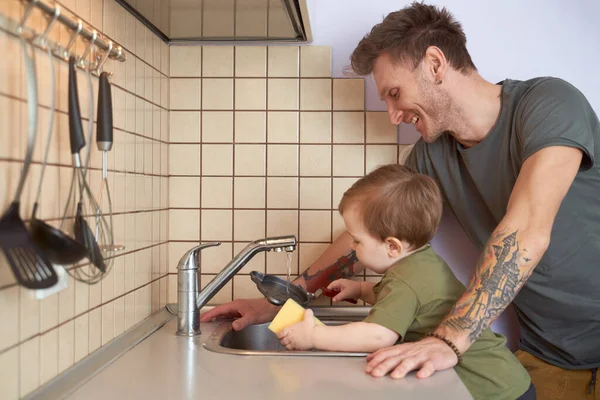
pixel 449 343
pixel 459 338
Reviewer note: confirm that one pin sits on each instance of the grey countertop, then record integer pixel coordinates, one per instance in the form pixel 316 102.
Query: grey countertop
pixel 166 366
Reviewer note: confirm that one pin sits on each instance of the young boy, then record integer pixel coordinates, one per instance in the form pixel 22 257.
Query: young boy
pixel 392 214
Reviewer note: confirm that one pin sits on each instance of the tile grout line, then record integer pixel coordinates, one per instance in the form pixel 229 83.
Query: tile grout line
pixel 200 238
pixel 134 140
pixel 364 130
pixel 231 241
pixel 267 109
pixel 233 160
pixel 363 275
pixel 271 176
pixel 298 72
pixel 165 171
pixel 256 110
pixel 260 208
pixel 222 77
pixel 288 143
pixel 332 155
pixel 331 139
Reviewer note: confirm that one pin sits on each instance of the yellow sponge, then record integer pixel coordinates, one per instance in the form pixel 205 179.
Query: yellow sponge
pixel 290 313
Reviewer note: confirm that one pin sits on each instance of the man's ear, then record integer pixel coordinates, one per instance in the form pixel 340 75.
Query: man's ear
pixel 394 247
pixel 436 63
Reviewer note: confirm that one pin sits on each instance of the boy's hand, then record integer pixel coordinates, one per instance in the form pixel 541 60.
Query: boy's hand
pixel 300 335
pixel 348 289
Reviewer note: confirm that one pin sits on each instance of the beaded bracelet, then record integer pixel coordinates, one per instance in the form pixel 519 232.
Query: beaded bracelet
pixel 448 342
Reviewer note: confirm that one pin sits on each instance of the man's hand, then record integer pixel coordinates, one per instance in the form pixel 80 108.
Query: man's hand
pixel 348 289
pixel 299 336
pixel 427 356
pixel 250 311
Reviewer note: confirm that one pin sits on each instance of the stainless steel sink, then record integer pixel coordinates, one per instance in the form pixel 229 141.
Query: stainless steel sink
pixel 258 340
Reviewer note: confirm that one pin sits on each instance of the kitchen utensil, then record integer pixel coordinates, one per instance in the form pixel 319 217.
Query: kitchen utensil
pixel 104 142
pixel 59 247
pixel 332 293
pixel 31 267
pixel 275 289
pixel 81 229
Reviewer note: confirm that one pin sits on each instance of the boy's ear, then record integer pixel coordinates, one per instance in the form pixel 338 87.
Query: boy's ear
pixel 394 246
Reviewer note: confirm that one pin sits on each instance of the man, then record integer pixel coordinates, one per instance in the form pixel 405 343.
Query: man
pixel 516 164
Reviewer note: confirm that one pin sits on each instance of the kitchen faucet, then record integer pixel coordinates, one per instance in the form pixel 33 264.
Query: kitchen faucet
pixel 190 300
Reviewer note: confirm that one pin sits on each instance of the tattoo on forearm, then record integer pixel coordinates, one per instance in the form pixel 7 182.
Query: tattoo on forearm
pixel 496 282
pixel 342 268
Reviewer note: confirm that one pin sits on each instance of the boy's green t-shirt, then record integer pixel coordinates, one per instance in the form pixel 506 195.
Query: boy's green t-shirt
pixel 414 296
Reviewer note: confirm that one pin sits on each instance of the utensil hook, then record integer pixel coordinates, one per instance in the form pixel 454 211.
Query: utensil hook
pixel 53 20
pixel 26 15
pixel 87 51
pixel 76 33
pixel 103 60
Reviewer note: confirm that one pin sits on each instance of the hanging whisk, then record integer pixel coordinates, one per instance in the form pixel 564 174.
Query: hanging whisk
pixel 76 204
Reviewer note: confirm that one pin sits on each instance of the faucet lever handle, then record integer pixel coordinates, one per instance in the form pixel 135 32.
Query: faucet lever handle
pixel 190 258
pixel 205 245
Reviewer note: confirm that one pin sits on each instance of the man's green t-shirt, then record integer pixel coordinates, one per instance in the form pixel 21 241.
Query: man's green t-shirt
pixel 559 306
pixel 413 297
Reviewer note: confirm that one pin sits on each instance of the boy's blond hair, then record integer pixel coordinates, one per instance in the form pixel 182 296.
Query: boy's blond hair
pixel 394 201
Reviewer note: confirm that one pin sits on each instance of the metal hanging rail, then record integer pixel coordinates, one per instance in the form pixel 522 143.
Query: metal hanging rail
pixel 116 52
pixel 103 47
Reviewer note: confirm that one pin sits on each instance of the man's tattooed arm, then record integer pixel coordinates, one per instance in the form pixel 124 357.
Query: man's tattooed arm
pixel 518 243
pixel 503 267
pixel 344 267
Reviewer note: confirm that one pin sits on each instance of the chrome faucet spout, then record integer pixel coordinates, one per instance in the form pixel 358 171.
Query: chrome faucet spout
pixel 238 262
pixel 190 299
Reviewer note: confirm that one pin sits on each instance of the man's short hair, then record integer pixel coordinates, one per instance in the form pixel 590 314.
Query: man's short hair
pixel 406 34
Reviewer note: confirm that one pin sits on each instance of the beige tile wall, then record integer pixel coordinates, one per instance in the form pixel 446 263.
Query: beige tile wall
pixel 264 142
pixel 40 339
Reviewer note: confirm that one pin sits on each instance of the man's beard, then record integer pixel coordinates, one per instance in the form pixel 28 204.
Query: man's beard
pixel 440 110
